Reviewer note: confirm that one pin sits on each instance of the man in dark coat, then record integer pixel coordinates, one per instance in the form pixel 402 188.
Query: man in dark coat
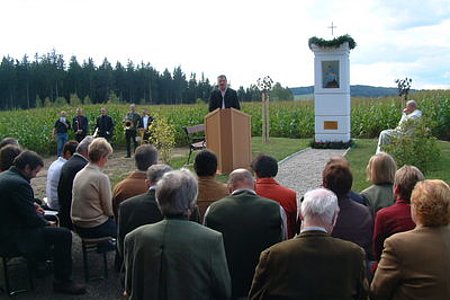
pixel 104 125
pixel 80 125
pixel 131 121
pixel 24 231
pixel 223 97
pixel 77 162
pixel 313 265
pixel 249 224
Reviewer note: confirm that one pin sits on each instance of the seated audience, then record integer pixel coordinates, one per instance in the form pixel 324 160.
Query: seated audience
pixel 91 212
pixel 54 173
pixel 141 209
pixel 68 171
pixel 9 141
pixel 314 265
pixel 249 224
pixel 134 184
pixel 354 223
pixel 7 155
pixel 176 258
pixel 209 189
pixel 410 112
pixel 381 172
pixel 415 264
pixel 397 217
pixel 24 231
pixel 266 168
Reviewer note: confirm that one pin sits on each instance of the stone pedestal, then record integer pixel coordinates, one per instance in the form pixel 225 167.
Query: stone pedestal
pixel 332 105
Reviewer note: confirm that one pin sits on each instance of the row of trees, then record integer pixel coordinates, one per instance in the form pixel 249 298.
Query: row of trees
pixel 24 83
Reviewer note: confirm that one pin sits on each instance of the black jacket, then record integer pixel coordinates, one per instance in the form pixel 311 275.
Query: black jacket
pixel 105 126
pixel 231 100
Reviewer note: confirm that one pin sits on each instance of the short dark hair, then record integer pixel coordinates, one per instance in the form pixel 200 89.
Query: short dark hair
pixel 7 155
pixel 265 166
pixel 30 158
pixel 337 178
pixel 205 163
pixel 9 141
pixel 145 156
pixel 70 146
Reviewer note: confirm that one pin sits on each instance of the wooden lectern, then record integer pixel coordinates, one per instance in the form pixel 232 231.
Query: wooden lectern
pixel 229 134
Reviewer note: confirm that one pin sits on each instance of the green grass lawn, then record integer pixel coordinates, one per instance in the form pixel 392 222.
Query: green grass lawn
pixel 363 149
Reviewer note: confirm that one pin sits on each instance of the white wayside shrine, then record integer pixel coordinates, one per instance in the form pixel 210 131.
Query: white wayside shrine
pixel 332 104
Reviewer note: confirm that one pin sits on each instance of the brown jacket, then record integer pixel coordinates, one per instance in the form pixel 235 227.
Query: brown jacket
pixel 132 185
pixel 313 265
pixel 209 190
pixel 414 265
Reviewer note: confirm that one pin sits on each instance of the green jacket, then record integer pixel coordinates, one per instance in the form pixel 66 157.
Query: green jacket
pixel 378 196
pixel 176 259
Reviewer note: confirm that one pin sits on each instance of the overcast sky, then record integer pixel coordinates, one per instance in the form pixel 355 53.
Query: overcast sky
pixel 244 39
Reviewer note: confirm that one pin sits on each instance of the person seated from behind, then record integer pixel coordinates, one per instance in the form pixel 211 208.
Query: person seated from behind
pixel 209 189
pixel 9 141
pixel 314 265
pixel 266 168
pixel 397 217
pixel 381 172
pixel 92 213
pixel 354 223
pixel 7 155
pixel 415 264
pixel 176 258
pixel 24 231
pixel 249 224
pixel 54 173
pixel 410 112
pixel 68 171
pixel 141 209
pixel 134 184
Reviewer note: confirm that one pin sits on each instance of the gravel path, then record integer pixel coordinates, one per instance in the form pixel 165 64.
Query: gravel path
pixel 302 171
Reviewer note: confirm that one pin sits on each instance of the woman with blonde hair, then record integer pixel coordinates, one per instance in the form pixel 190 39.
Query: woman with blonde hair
pixel 381 172
pixel 92 212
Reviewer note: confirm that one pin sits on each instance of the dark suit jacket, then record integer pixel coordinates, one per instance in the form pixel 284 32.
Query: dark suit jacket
pixel 80 122
pixel 68 172
pixel 141 122
pixel 311 266
pixel 231 100
pixel 18 217
pixel 249 224
pixel 105 126
pixel 135 212
pixel 414 265
pixel 176 259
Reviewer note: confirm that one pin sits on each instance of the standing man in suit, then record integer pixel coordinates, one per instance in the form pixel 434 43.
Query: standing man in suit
pixel 80 125
pixel 131 121
pixel 104 125
pixel 249 224
pixel 68 171
pixel 176 258
pixel 223 97
pixel 313 265
pixel 144 125
pixel 415 264
pixel 60 129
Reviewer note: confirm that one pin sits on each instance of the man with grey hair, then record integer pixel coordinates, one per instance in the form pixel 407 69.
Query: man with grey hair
pixel 223 96
pixel 410 114
pixel 176 258
pixel 249 224
pixel 313 265
pixel 68 171
pixel 141 209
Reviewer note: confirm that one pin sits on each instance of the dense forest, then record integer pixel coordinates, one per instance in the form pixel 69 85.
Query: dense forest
pixel 48 78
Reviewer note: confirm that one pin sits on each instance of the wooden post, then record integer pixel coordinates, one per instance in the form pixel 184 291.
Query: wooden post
pixel 265 117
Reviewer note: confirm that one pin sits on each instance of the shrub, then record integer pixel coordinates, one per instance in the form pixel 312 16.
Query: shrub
pixel 60 101
pixel 38 102
pixel 418 148
pixel 163 137
pixel 113 99
pixel 87 100
pixel 74 100
pixel 48 102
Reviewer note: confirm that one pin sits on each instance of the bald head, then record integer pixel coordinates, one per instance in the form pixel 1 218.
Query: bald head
pixel 241 179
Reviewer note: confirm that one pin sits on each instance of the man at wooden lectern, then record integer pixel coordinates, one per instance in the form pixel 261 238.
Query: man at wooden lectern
pixel 223 97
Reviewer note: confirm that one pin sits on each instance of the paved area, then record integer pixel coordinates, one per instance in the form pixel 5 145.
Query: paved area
pixel 302 171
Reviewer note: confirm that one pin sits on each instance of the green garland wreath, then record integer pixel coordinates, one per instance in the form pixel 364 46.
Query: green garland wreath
pixel 334 43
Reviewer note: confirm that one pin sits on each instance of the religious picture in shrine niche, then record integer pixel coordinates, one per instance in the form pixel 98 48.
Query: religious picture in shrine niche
pixel 330 74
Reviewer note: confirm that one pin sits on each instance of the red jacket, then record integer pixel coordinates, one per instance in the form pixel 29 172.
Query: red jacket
pixel 286 197
pixel 390 220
